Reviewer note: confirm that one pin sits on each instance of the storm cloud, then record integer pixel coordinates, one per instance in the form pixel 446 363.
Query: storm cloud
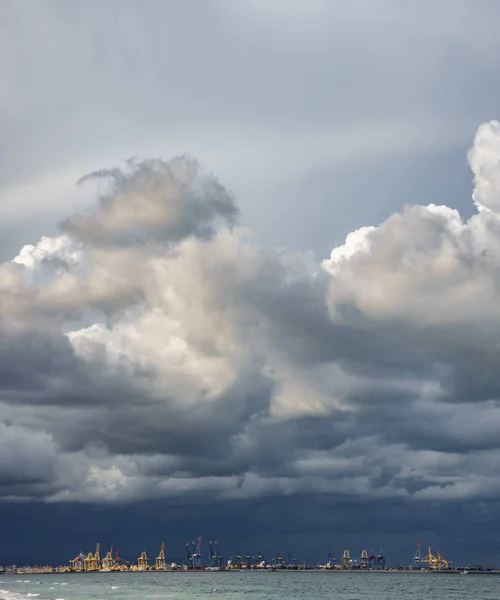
pixel 282 328
pixel 155 351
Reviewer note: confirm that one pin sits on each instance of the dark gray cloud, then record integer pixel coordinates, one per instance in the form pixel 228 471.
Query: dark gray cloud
pixel 206 366
pixel 156 358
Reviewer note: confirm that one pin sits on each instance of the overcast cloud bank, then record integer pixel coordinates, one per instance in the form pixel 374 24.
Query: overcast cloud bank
pixel 154 350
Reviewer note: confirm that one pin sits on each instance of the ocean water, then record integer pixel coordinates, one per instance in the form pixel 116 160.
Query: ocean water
pixel 252 585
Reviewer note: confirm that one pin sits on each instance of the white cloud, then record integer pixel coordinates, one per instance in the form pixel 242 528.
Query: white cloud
pixel 356 241
pixel 484 157
pixel 62 251
pixel 204 364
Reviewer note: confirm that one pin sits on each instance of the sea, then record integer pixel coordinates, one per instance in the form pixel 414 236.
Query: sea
pixel 304 585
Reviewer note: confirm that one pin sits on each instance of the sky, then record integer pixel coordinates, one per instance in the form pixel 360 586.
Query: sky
pixel 249 265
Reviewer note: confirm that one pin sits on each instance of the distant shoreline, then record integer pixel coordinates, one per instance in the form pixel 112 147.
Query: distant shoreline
pixel 313 570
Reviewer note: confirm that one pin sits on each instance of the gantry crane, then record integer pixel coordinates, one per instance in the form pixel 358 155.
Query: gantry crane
pixel 77 564
pixel 160 559
pixel 92 562
pixel 363 561
pixel 346 560
pixel 87 562
pixel 108 561
pixel 197 557
pixel 435 562
pixel 143 561
pixel 214 556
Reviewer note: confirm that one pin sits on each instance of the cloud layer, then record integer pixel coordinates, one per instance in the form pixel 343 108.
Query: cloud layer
pixel 153 350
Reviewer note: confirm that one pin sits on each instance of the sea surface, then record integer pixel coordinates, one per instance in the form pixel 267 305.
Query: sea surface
pixel 252 585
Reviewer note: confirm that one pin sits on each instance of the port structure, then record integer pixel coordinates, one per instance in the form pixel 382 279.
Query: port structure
pixel 197 557
pixel 214 556
pixel 435 562
pixel 367 561
pixel 381 560
pixel 245 560
pixel 279 561
pixel 346 561
pixel 291 561
pixel 92 562
pixel 160 559
pixel 418 557
pixel 430 561
pixel 236 561
pixel 331 562
pixel 194 558
pixel 119 563
pixel 77 564
pixel 108 561
pixel 364 560
pixel 143 561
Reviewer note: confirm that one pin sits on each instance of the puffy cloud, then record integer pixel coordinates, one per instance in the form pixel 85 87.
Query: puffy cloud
pixel 483 159
pixel 154 201
pixel 62 251
pixel 164 354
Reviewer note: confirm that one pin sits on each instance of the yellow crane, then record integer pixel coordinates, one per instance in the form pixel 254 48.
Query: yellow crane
pixel 160 559
pixel 92 562
pixel 143 561
pixel 435 562
pixel 107 561
pixel 87 562
pixel 346 560
pixel 363 561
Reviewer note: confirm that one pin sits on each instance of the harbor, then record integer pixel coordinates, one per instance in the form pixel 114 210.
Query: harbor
pixel 198 558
